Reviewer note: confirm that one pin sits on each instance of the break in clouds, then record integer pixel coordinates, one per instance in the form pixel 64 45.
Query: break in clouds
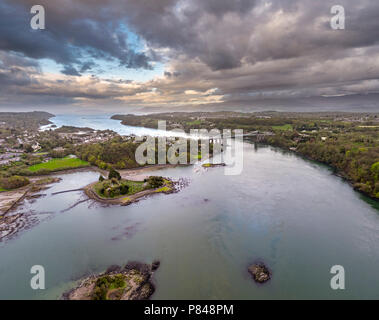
pixel 213 52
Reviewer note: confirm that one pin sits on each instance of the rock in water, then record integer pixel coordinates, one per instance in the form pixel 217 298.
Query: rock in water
pixel 260 272
pixel 155 265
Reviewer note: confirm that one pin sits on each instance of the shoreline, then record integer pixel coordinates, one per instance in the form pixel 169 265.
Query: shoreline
pixel 167 188
pixel 12 222
pixel 336 172
pixel 15 197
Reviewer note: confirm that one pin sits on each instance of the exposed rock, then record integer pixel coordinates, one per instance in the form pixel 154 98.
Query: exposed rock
pixel 113 268
pixel 260 272
pixel 155 265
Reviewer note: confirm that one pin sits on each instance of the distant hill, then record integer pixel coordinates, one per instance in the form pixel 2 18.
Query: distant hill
pixel 27 120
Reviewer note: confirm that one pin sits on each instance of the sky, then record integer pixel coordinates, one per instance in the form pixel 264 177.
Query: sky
pixel 122 55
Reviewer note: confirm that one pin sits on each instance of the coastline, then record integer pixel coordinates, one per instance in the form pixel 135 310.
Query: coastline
pixel 335 170
pixel 168 188
pixel 13 198
pixel 11 222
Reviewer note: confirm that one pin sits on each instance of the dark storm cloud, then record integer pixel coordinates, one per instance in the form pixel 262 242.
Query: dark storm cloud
pixel 215 50
pixel 223 33
pixel 74 31
pixel 16 70
pixel 192 27
pixel 70 71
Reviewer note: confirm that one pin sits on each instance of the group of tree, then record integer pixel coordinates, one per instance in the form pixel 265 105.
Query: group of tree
pixel 353 156
pixel 13 182
pixel 114 153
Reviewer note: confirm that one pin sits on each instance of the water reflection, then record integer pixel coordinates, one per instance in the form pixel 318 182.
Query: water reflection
pixel 293 214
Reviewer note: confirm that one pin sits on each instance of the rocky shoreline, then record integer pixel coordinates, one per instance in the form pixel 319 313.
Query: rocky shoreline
pixel 10 221
pixel 131 282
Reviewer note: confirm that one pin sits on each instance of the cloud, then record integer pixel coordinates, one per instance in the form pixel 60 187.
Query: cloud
pixel 76 32
pixel 215 51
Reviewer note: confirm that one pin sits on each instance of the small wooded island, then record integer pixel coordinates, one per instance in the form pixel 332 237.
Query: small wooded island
pixel 116 190
pixel 132 282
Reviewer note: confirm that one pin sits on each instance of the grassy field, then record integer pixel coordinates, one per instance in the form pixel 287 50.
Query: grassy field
pixel 40 153
pixel 134 187
pixel 2 190
pixel 286 127
pixel 59 164
pixel 194 123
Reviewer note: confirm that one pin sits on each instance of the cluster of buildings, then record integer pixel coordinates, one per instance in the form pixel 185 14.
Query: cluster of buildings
pixel 84 137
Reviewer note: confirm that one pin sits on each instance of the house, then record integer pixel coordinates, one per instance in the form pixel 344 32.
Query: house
pixel 36 147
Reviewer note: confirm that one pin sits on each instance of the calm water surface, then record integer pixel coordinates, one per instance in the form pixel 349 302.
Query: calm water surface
pixel 103 122
pixel 294 215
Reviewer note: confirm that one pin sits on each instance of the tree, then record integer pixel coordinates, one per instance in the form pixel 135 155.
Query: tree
pixel 13 182
pixel 375 170
pixel 28 148
pixel 114 174
pixel 124 189
pixel 155 182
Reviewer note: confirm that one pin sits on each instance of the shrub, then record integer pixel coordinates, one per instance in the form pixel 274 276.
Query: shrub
pixel 101 288
pixel 155 182
pixel 101 178
pixel 124 189
pixel 42 172
pixel 14 182
pixel 375 170
pixel 114 174
pixel 118 281
pixel 116 192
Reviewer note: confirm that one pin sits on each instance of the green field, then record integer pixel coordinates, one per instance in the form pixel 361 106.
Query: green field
pixel 134 187
pixel 194 123
pixel 40 153
pixel 59 164
pixel 2 190
pixel 286 127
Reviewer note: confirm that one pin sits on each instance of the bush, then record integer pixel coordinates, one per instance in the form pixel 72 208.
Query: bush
pixel 14 182
pixel 155 182
pixel 375 170
pixel 101 178
pixel 124 189
pixel 118 281
pixel 101 288
pixel 42 172
pixel 114 174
